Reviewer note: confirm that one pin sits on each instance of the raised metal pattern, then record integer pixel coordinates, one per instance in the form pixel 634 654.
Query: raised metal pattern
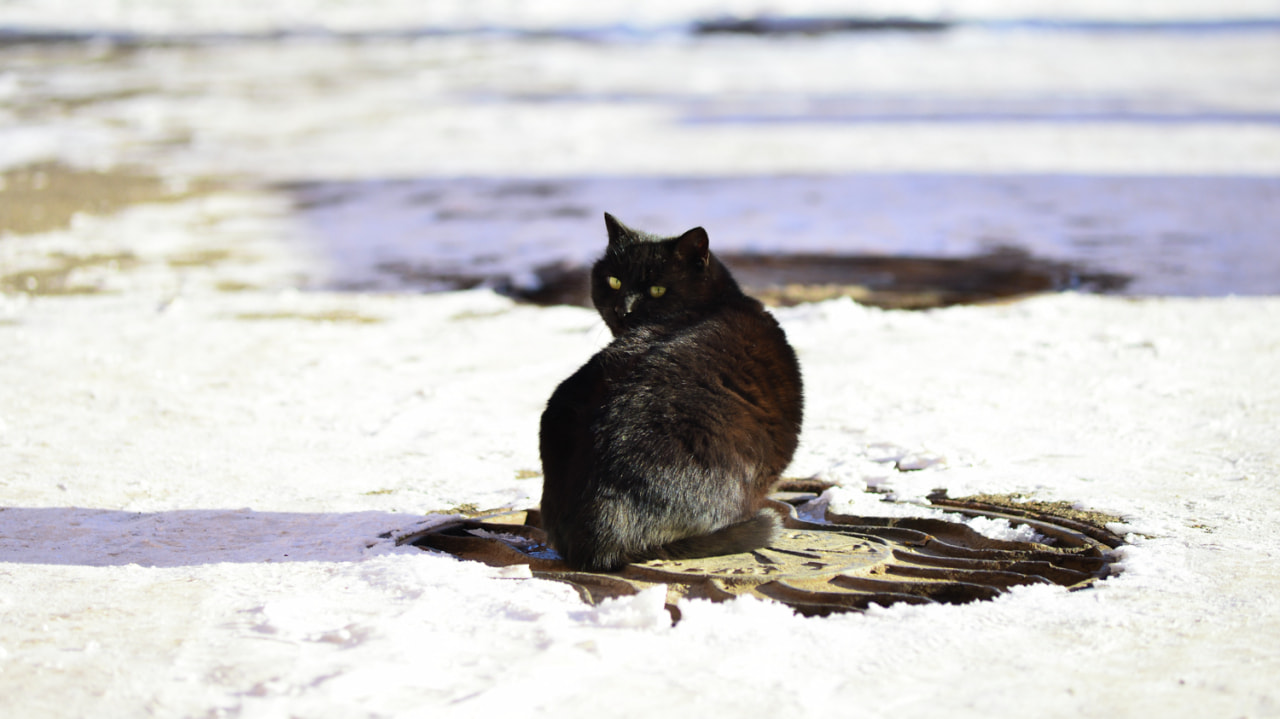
pixel 845 563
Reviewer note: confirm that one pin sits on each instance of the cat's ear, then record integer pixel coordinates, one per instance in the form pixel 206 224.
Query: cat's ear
pixel 692 247
pixel 617 230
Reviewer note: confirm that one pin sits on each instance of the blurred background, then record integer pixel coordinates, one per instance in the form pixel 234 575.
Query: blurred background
pixel 908 153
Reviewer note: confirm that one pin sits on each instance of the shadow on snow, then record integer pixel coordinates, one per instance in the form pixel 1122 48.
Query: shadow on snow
pixel 186 537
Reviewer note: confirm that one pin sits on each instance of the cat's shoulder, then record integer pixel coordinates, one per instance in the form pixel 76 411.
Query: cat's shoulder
pixel 748 315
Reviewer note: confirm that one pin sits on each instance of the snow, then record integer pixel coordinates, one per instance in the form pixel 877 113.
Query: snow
pixel 193 16
pixel 197 504
pixel 206 456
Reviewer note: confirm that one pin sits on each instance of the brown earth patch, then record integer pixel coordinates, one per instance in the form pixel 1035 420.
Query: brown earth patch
pixel 44 197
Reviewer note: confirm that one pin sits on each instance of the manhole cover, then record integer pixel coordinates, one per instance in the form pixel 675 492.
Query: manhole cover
pixel 843 563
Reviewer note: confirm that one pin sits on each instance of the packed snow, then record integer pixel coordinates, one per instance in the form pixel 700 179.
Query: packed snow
pixel 209 442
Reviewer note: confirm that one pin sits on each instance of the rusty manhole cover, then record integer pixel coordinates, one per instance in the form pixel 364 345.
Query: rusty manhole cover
pixel 842 563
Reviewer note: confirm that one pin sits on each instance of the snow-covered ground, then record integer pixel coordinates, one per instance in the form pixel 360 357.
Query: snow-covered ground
pixel 196 494
pixel 206 447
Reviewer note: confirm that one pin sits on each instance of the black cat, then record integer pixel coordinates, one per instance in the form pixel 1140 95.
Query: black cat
pixel 666 442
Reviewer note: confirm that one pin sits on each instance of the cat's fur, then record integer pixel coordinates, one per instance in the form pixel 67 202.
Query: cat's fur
pixel 666 442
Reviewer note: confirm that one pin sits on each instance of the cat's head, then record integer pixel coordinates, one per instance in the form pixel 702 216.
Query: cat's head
pixel 644 279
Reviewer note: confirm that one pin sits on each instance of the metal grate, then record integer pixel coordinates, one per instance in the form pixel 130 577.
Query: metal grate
pixel 842 563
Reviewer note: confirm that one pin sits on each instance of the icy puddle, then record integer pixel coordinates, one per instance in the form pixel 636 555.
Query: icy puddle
pixel 887 239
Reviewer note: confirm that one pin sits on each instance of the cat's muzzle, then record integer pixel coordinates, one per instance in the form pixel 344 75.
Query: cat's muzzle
pixel 628 304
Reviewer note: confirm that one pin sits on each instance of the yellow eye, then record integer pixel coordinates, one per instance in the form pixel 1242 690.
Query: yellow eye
pixel 657 291
pixel 615 283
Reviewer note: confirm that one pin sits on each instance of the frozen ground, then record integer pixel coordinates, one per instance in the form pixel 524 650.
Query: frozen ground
pixel 204 445
pixel 195 498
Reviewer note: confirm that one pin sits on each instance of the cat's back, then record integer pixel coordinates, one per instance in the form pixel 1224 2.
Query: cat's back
pixel 731 373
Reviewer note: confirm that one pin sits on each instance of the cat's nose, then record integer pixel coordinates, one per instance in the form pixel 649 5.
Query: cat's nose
pixel 629 303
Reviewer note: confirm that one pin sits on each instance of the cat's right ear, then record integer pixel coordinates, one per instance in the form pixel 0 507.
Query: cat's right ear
pixel 692 247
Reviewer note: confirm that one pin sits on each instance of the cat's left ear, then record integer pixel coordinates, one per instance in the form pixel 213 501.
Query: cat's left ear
pixel 615 229
pixel 692 247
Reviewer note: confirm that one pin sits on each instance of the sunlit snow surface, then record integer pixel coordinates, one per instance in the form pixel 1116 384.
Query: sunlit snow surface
pixel 205 456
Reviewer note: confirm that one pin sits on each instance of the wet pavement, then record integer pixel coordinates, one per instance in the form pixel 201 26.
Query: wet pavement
pixel 904 163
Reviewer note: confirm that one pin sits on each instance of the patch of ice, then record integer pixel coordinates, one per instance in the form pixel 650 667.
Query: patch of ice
pixel 697 614
pixel 916 461
pixel 514 540
pixel 851 501
pixel 516 571
pixel 998 528
pixel 645 610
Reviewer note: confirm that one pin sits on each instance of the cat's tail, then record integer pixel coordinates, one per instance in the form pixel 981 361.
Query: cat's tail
pixel 759 531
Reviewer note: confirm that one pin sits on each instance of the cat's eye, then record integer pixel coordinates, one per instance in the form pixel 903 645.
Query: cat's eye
pixel 615 283
pixel 657 291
